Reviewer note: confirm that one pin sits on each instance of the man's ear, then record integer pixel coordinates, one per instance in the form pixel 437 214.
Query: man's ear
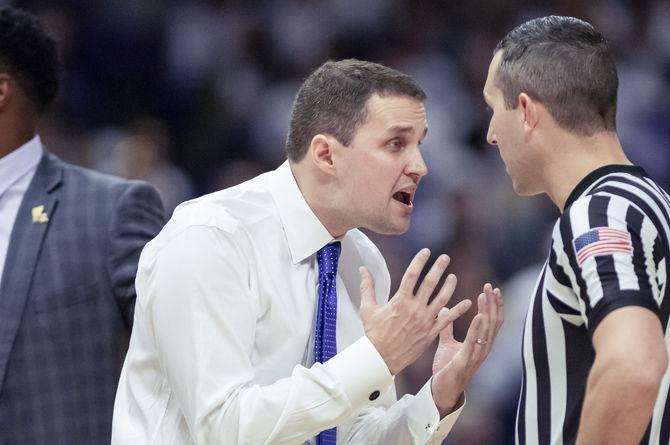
pixel 530 110
pixel 6 85
pixel 321 152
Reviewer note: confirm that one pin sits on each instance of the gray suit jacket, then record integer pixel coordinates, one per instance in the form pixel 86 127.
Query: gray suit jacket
pixel 66 302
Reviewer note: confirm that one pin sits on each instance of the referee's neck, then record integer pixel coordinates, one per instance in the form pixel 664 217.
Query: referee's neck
pixel 575 157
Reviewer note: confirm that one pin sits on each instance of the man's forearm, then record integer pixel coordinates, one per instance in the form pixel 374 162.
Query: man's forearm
pixel 618 403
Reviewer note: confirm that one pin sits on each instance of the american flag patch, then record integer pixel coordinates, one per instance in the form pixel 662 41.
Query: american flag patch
pixel 601 241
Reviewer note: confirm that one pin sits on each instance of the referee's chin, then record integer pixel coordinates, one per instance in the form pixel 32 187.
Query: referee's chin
pixel 522 189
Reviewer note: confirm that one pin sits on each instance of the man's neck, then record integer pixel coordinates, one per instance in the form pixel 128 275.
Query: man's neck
pixel 13 134
pixel 318 193
pixel 575 157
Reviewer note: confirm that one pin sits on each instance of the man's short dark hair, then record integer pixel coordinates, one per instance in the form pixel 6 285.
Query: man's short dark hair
pixel 333 100
pixel 30 55
pixel 566 64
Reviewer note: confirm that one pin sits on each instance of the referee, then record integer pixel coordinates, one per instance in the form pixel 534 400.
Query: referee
pixel 596 333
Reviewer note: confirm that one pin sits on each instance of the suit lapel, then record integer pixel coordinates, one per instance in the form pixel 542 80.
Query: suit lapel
pixel 24 247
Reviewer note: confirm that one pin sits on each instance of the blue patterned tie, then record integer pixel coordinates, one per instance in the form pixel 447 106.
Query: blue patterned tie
pixel 325 345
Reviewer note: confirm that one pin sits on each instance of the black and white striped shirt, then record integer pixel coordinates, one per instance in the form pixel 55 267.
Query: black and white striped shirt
pixel 609 250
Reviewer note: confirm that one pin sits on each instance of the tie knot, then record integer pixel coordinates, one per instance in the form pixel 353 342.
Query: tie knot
pixel 327 258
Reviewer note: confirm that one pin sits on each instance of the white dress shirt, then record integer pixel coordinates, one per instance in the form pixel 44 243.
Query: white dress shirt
pixel 16 171
pixel 221 349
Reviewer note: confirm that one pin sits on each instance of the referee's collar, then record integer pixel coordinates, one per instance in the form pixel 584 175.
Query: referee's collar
pixel 598 173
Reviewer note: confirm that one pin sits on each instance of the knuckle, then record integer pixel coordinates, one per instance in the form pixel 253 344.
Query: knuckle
pixel 429 283
pixel 412 274
pixel 396 305
pixel 441 298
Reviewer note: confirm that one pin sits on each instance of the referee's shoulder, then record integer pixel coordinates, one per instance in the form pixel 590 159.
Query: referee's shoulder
pixel 597 204
pixel 579 208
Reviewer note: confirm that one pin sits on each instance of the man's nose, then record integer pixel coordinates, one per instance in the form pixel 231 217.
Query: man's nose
pixel 417 166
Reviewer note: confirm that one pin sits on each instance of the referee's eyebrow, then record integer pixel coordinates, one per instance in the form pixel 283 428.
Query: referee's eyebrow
pixel 425 133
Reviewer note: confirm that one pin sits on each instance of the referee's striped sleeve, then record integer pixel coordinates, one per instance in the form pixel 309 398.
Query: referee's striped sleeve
pixel 610 278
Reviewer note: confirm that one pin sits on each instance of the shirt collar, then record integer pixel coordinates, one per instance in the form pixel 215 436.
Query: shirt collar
pixel 305 234
pixel 598 173
pixel 19 162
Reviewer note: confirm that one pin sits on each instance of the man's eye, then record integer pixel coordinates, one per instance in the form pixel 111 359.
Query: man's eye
pixel 395 143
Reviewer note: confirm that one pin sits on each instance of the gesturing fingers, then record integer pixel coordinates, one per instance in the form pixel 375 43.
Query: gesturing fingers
pixel 495 310
pixel 499 308
pixel 472 348
pixel 432 278
pixel 446 318
pixel 484 338
pixel 411 275
pixel 444 295
pixel 492 313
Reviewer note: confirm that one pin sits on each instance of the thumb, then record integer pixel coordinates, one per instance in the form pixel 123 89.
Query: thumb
pixel 446 318
pixel 368 297
pixel 447 332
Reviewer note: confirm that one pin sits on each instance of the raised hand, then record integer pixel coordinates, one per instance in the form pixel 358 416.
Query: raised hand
pixel 402 329
pixel 455 363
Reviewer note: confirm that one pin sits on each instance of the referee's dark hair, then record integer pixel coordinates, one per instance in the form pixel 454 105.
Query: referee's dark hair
pixel 566 64
pixel 333 100
pixel 29 55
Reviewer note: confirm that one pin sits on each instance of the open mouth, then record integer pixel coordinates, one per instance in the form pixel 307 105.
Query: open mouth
pixel 403 197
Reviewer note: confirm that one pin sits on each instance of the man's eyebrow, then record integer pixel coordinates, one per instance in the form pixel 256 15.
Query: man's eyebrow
pixel 405 129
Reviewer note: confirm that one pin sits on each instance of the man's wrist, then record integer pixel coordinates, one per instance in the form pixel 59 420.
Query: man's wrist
pixel 446 403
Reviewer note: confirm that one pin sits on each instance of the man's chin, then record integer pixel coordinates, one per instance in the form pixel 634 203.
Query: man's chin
pixel 392 228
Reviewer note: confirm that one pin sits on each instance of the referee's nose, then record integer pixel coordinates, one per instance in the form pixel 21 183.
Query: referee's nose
pixel 491 136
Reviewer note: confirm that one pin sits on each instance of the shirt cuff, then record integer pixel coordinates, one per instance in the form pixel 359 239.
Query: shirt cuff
pixel 361 371
pixel 424 418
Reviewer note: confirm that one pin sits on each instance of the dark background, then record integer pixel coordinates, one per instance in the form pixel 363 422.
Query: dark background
pixel 195 96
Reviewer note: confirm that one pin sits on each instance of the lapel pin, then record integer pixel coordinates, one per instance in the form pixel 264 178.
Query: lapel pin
pixel 39 215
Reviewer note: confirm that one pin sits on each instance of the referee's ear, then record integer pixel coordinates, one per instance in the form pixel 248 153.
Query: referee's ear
pixel 530 111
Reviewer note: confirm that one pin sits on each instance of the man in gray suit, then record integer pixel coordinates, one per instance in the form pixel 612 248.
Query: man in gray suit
pixel 70 240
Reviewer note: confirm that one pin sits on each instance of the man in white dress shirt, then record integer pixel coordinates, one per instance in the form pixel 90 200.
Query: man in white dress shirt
pixel 223 344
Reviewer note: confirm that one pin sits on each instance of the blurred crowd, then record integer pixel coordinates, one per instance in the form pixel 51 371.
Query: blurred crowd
pixel 195 95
